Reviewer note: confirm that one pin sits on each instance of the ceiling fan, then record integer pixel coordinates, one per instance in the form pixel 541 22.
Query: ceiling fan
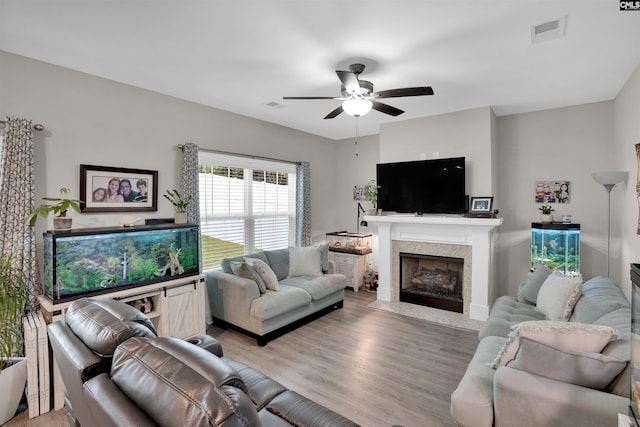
pixel 359 98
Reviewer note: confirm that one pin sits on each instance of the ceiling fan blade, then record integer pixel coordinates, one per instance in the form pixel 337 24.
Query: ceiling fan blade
pixel 349 81
pixel 334 113
pixel 387 109
pixel 309 97
pixel 407 91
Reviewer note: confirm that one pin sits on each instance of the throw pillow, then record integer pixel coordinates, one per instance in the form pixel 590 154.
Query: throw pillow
pixel 593 370
pixel 528 292
pixel 558 295
pixel 568 335
pixel 242 269
pixel 324 256
pixel 265 272
pixel 305 261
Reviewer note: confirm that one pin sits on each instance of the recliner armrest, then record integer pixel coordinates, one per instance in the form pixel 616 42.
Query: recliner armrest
pixel 208 343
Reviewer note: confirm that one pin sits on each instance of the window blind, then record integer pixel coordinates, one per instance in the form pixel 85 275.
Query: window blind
pixel 246 205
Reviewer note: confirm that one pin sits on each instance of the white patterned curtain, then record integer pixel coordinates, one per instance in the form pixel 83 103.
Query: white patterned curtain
pixel 303 204
pixel 189 184
pixel 17 239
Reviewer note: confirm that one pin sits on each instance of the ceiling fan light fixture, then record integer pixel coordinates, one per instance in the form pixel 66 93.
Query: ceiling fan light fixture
pixel 357 107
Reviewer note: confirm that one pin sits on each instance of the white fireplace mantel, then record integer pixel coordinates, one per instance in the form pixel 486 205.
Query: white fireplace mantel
pixel 443 229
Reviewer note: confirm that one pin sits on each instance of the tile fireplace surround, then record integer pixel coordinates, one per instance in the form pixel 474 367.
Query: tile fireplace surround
pixel 446 235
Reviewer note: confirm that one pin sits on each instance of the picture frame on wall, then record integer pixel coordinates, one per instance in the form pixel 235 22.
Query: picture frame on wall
pixel 481 205
pixel 112 189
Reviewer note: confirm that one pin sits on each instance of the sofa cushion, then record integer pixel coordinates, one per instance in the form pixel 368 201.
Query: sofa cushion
pixel 593 370
pixel 272 304
pixel 317 287
pixel 505 313
pixel 600 296
pixel 266 273
pixel 558 295
pixel 242 269
pixel 528 292
pixel 279 262
pixel 324 256
pixel 225 263
pixel 569 335
pixel 305 261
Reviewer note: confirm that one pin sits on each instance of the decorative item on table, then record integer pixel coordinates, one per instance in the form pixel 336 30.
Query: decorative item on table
pixel 566 219
pixel 371 280
pixel 547 216
pixel 180 203
pixel 59 208
pixel 129 221
pixel 481 207
pixel 145 305
pixel 371 195
pixel 351 243
pixel 552 191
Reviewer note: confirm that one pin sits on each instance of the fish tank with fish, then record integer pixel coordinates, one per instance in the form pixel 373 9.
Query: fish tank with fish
pixel 91 261
pixel 556 245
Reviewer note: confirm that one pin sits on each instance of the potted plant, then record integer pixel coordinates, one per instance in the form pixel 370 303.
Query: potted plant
pixel 14 299
pixel 371 195
pixel 547 216
pixel 180 203
pixel 59 208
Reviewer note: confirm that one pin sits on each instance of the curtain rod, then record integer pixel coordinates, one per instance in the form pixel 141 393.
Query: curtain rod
pixel 181 146
pixel 37 127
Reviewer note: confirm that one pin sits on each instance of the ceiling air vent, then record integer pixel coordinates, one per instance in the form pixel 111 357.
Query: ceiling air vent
pixel 549 30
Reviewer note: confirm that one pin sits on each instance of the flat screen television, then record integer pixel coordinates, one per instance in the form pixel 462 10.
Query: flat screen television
pixel 426 186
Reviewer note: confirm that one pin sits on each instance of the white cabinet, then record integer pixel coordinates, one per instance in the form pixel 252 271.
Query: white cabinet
pixel 352 266
pixel 183 311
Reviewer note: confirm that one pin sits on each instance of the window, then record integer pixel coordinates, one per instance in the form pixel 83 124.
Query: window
pixel 246 205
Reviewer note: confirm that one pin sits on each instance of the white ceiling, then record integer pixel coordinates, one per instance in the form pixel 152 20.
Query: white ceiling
pixel 240 55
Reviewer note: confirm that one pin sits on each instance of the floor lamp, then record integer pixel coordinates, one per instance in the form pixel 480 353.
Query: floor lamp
pixel 609 180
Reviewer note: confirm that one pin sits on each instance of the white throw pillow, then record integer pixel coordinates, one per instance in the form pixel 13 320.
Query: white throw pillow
pixel 305 261
pixel 567 335
pixel 558 295
pixel 265 272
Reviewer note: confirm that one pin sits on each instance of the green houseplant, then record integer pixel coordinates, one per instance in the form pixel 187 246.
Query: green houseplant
pixel 180 203
pixel 14 298
pixel 371 194
pixel 547 216
pixel 59 208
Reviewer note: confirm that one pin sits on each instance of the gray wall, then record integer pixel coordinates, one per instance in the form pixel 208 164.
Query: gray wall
pixel 90 120
pixel 95 121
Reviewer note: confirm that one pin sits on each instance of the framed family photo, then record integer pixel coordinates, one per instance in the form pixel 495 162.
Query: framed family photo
pixel 481 205
pixel 110 189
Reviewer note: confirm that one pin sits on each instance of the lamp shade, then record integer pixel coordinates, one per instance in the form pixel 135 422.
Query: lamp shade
pixel 356 107
pixel 609 178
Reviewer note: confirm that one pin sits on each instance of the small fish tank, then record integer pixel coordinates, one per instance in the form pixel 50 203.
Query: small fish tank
pixel 556 245
pixel 351 243
pixel 91 261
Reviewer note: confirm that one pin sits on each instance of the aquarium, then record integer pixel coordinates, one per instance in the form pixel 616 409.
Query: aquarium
pixel 351 243
pixel 89 261
pixel 557 246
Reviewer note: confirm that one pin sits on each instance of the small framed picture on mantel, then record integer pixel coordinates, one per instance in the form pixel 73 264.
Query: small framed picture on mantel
pixel 481 207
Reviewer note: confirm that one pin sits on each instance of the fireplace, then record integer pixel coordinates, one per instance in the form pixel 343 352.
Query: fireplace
pixel 432 281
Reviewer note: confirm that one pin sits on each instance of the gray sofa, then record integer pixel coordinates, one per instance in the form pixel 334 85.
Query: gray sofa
pixel 238 302
pixel 507 396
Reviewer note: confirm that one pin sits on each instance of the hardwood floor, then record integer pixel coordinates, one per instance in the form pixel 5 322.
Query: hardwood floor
pixel 375 367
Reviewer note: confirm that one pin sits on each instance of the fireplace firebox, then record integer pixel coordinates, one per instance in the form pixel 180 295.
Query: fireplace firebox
pixel 432 281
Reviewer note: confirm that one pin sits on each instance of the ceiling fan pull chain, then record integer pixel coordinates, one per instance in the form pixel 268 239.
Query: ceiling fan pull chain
pixel 356 136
